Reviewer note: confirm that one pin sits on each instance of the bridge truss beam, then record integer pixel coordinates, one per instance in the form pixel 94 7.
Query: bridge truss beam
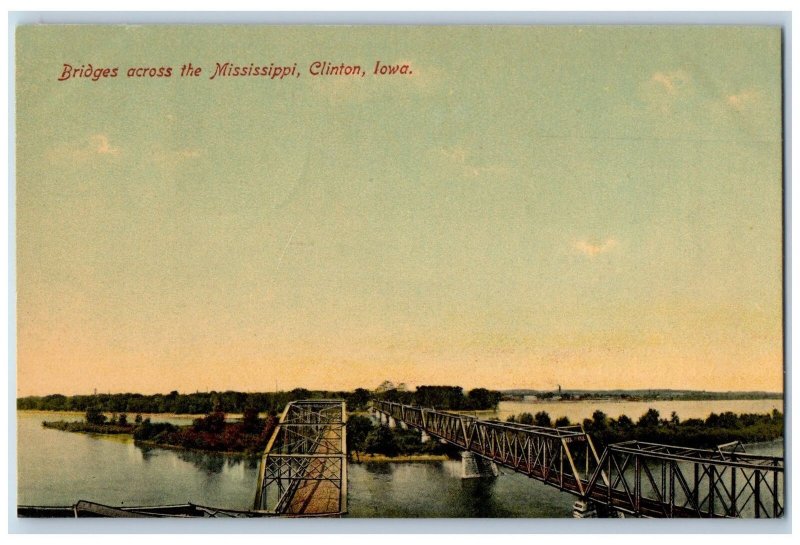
pixel 655 480
pixel 638 478
pixel 561 457
pixel 304 467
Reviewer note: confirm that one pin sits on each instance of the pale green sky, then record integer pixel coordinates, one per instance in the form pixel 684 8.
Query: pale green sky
pixel 596 207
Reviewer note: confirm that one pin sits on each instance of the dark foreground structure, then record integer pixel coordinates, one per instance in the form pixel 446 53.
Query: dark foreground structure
pixel 87 509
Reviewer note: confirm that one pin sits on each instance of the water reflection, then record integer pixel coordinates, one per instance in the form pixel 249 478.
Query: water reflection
pixel 479 500
pixel 147 452
pixel 207 462
pixel 378 468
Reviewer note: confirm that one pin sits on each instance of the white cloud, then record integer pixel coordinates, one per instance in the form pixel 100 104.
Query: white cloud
pixel 459 160
pixel 172 157
pixel 91 148
pixel 742 100
pixel 663 89
pixel 457 154
pixel 99 143
pixel 671 82
pixel 592 248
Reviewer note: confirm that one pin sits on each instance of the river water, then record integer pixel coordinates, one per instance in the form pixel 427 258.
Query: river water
pixel 60 468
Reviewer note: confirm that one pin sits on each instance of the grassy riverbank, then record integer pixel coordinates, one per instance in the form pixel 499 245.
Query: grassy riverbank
pixel 363 458
pixel 85 427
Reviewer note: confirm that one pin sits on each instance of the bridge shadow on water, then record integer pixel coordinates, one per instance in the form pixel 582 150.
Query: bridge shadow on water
pixel 423 489
pixel 479 498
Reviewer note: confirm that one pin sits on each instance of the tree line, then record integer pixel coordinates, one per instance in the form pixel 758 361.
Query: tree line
pixel 440 397
pixel 450 398
pixel 194 403
pixel 709 432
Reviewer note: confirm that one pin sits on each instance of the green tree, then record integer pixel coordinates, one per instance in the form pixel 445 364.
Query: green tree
pixel 358 428
pixel 250 421
pixel 543 419
pixel 380 440
pixel 599 421
pixel 95 416
pixel 562 421
pixel 649 419
pixel 358 399
pixel 729 420
pixel 300 393
pixel 481 398
pixel 212 423
pixel 440 397
pixel 624 423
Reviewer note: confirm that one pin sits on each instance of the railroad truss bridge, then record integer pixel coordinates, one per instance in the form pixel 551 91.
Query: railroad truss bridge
pixel 630 478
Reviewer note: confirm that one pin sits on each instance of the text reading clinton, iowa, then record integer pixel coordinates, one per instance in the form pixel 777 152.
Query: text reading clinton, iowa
pixel 222 70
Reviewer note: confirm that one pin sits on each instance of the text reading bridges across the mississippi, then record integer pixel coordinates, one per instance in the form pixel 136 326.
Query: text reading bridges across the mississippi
pixel 224 70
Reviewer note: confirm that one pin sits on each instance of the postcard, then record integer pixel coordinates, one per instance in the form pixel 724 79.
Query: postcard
pixel 399 271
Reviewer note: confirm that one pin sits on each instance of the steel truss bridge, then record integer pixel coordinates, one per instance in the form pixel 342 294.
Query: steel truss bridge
pixel 633 477
pixel 304 467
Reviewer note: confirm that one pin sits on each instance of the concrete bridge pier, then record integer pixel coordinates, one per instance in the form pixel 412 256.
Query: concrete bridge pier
pixel 403 425
pixel 392 422
pixel 474 466
pixel 424 437
pixel 383 419
pixel 584 509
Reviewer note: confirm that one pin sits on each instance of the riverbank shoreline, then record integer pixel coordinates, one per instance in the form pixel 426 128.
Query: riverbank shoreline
pixel 166 446
pixel 357 458
pixel 89 429
pixel 400 458
pixel 130 432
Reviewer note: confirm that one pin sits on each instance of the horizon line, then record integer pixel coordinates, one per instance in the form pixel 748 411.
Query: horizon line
pixel 503 390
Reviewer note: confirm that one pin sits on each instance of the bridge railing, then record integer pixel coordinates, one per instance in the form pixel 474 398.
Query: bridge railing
pixel 669 481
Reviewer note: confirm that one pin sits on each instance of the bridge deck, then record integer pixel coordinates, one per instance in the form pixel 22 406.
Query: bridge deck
pixel 304 467
pixel 316 495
